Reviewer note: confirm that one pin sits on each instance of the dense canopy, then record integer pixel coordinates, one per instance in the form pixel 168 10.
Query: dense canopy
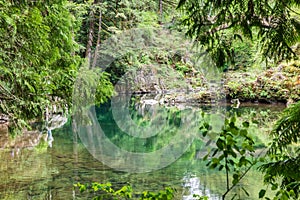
pixel 217 24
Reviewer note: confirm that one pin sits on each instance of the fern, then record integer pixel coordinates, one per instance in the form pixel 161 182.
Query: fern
pixel 287 129
pixel 284 155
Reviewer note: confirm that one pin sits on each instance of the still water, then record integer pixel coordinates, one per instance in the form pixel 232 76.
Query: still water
pixel 45 172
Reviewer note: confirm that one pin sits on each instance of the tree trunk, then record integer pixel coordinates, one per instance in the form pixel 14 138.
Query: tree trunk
pixel 90 35
pixel 98 39
pixel 160 12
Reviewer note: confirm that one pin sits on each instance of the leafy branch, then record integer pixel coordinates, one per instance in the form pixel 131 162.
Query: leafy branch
pixel 234 152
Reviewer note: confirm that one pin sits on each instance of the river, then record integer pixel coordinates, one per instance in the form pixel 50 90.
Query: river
pixel 45 172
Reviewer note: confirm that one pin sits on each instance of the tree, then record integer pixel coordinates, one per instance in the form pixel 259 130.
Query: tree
pixel 160 12
pixel 37 59
pixel 91 31
pixel 216 24
pixel 233 152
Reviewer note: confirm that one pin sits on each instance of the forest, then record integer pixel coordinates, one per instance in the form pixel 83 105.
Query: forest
pixel 207 61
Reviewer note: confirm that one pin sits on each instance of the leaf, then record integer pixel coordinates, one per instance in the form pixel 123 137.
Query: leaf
pixel 122 15
pixel 234 196
pixel 221 167
pixel 238 36
pixel 274 186
pixel 215 152
pixel 204 133
pixel 233 120
pixel 30 87
pixel 231 162
pixel 232 153
pixel 243 132
pixel 246 124
pixel 261 193
pixel 205 157
pixel 208 142
pixel 213 166
pixel 220 144
pixel 82 188
pixel 232 125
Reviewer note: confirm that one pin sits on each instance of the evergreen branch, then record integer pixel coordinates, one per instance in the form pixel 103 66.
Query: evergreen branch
pixel 287 129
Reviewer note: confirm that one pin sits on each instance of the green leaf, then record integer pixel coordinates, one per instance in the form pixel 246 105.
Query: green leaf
pixel 235 179
pixel 221 167
pixel 205 157
pixel 246 124
pixel 215 152
pixel 243 132
pixel 204 133
pixel 220 144
pixel 274 186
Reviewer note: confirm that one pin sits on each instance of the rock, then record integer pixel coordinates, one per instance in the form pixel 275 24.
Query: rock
pixel 4 119
pixel 143 90
pixel 149 102
pixel 235 103
pixel 3 128
pixel 162 101
pixel 289 102
pixel 278 77
pixel 156 88
pixel 180 99
pixel 56 121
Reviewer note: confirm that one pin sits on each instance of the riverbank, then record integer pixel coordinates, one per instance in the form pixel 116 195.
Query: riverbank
pixel 279 84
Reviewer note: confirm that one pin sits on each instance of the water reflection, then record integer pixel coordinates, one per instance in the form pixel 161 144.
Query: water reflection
pixel 194 186
pixel 139 137
pixel 40 172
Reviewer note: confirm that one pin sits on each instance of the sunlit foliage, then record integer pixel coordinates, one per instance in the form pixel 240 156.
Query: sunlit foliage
pixel 216 25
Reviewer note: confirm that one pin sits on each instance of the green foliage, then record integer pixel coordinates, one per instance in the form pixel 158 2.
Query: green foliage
pixel 234 152
pixel 37 57
pixel 278 84
pixel 244 54
pixel 92 87
pixel 105 191
pixel 287 129
pixel 217 25
pixel 200 197
pixel 149 19
pixel 151 51
pixel 166 194
pixel 118 15
pixel 183 68
pixel 282 169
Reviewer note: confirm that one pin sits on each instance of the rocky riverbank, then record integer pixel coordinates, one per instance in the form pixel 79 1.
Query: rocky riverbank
pixel 30 138
pixel 281 84
pixel 275 85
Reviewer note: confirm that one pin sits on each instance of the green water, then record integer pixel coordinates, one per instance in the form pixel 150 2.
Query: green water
pixel 49 173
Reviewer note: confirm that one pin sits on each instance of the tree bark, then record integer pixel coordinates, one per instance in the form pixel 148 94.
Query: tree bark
pixel 98 44
pixel 89 45
pixel 160 12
